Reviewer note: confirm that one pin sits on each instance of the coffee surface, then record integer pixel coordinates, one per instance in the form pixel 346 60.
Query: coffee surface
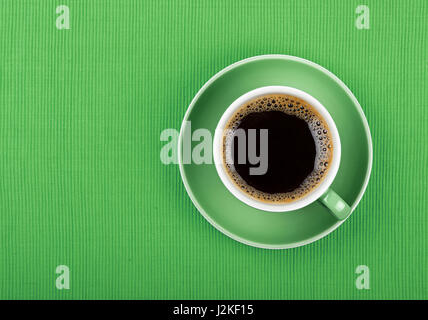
pixel 291 151
pixel 299 148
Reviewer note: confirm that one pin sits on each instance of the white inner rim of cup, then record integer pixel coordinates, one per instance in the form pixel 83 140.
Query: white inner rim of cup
pixel 258 204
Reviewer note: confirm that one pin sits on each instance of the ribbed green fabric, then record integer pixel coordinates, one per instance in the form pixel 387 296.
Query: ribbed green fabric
pixel 82 184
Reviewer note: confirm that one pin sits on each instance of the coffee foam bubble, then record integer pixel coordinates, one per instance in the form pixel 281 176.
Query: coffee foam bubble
pixel 292 106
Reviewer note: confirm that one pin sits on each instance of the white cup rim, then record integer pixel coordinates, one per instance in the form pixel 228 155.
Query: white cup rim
pixel 276 207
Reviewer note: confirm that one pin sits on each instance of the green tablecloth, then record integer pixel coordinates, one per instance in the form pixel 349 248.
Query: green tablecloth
pixel 82 184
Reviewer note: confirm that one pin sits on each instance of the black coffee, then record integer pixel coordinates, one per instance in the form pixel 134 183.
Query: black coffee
pixel 299 148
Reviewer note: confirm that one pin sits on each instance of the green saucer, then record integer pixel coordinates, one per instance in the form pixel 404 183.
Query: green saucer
pixel 277 230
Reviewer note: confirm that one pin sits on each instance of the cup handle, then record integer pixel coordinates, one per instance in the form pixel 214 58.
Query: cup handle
pixel 337 206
